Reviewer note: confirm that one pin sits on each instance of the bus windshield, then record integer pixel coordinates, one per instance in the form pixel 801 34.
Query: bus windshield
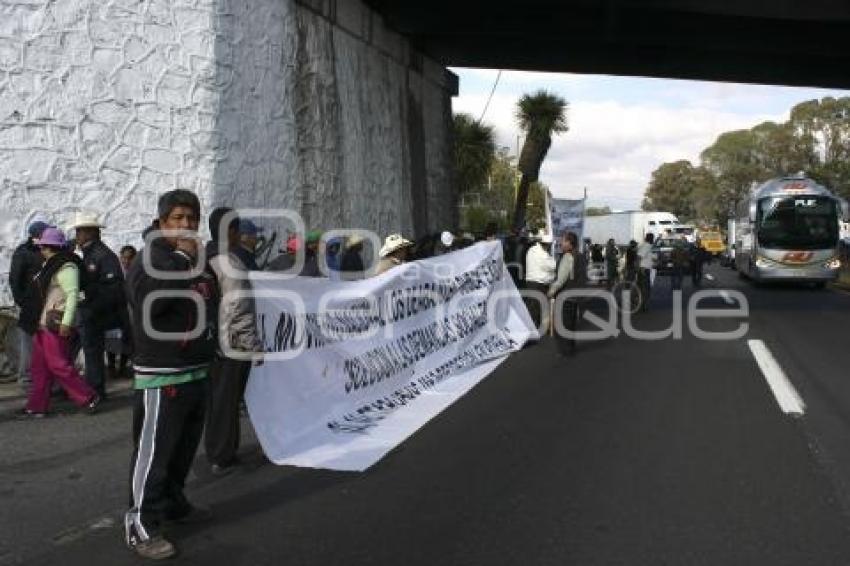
pixel 798 223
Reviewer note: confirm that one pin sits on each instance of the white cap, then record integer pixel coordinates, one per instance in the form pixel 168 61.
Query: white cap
pixel 546 239
pixel 447 238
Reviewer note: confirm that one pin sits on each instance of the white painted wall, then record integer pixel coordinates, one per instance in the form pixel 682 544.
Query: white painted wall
pixel 105 104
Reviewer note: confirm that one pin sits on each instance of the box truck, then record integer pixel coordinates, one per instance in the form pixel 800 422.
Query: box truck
pixel 627 226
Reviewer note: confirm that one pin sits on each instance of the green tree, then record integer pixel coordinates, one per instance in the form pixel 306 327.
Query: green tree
pixel 475 148
pixel 735 162
pixel 540 115
pixel 536 212
pixel 780 152
pixel 494 202
pixel 824 126
pixel 672 188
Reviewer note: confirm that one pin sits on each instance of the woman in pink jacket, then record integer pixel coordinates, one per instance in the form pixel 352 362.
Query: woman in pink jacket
pixel 58 286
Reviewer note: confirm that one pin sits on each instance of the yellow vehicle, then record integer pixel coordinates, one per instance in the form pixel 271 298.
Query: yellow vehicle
pixel 712 242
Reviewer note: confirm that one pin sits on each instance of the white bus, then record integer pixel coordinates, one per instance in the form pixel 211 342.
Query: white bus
pixel 788 230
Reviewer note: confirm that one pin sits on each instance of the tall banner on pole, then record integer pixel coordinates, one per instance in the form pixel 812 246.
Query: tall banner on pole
pixel 354 367
pixel 567 215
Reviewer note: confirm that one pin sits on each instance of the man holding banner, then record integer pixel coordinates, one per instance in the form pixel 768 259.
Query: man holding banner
pixel 172 299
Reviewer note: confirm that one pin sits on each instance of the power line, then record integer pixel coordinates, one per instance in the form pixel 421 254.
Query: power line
pixel 489 98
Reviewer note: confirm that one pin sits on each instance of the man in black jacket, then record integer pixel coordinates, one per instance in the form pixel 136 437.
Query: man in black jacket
pixel 173 298
pixel 103 287
pixel 26 263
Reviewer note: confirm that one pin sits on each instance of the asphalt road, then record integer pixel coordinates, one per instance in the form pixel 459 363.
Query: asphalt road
pixel 631 452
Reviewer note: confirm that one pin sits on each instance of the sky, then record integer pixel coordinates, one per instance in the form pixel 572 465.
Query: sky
pixel 623 128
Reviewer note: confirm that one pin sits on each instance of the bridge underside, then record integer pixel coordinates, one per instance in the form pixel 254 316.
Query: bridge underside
pixel 790 42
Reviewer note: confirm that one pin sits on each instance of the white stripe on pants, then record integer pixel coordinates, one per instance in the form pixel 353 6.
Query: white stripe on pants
pixel 142 467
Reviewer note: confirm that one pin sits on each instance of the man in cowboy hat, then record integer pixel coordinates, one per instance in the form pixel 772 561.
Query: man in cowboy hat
pixel 393 253
pixel 103 288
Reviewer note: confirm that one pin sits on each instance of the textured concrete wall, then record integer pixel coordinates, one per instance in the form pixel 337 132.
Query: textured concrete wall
pixel 314 106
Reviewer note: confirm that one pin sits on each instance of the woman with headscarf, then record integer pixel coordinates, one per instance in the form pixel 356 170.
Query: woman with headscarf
pixel 57 286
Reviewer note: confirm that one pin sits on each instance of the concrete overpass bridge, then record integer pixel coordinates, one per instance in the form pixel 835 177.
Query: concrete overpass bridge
pixel 788 42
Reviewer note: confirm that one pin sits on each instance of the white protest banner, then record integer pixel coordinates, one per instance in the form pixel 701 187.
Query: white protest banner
pixel 355 367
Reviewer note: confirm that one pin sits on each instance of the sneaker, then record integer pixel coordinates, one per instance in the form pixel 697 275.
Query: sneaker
pixel 27 414
pixel 92 406
pixel 156 548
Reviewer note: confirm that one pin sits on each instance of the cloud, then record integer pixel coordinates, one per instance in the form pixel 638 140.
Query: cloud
pixel 621 129
pixel 613 147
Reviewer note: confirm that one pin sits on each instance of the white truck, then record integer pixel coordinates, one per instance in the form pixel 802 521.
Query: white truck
pixel 627 226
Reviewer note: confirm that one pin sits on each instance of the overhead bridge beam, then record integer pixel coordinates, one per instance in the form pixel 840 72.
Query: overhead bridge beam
pixel 793 43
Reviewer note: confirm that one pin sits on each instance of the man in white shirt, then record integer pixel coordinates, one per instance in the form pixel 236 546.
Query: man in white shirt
pixel 539 274
pixel 644 252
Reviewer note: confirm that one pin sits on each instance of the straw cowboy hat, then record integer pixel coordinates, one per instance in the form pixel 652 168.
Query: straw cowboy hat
pixel 392 243
pixel 85 219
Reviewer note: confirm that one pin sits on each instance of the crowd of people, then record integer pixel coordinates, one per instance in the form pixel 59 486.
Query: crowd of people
pixel 79 295
pixel 132 318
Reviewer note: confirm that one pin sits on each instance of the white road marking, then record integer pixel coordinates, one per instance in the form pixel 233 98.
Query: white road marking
pixel 709 276
pixel 787 397
pixel 726 297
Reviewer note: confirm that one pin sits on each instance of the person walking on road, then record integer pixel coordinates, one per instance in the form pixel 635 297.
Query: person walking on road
pixel 103 288
pixel 57 287
pixel 238 335
pixel 644 253
pixel 570 274
pixel 612 262
pixel 680 263
pixel 698 259
pixel 26 263
pixel 174 344
pixel 539 275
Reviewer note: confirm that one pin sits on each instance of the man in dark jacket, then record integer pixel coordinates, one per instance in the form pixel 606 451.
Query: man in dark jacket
pixel 173 299
pixel 103 288
pixel 26 263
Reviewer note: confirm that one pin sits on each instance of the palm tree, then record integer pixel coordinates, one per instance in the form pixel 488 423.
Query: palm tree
pixel 475 149
pixel 540 115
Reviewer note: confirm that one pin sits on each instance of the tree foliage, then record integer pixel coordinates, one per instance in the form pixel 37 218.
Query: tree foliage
pixel 475 148
pixel 814 141
pixel 540 115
